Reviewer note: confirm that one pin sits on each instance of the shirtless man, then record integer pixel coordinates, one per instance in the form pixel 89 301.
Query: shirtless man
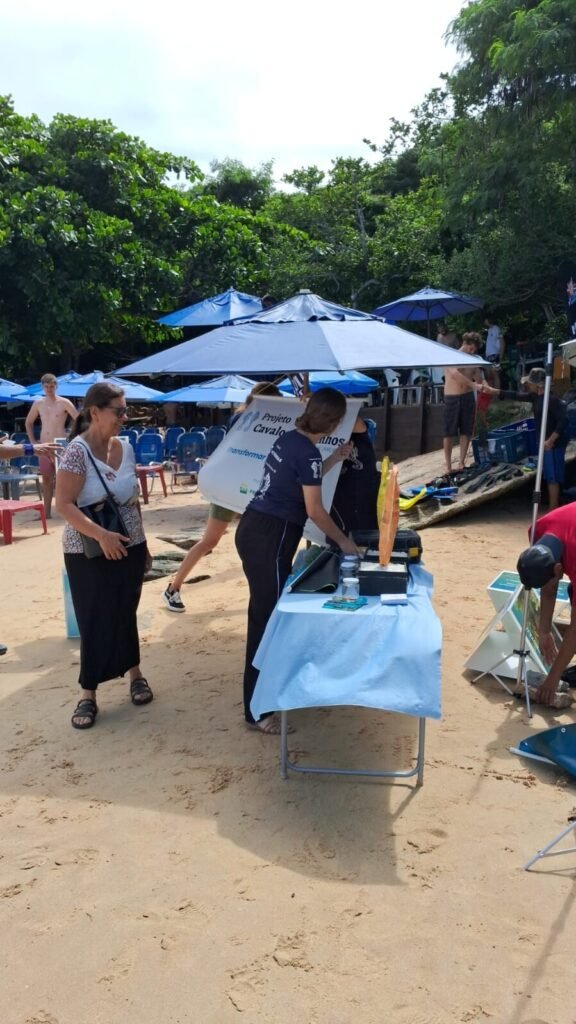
pixel 460 401
pixel 53 412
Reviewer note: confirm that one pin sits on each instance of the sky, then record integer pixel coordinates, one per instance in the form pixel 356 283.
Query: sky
pixel 299 83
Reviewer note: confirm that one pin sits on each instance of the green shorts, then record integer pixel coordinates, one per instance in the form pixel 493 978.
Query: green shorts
pixel 224 515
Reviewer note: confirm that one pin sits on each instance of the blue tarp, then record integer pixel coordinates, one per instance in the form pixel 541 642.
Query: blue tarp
pixel 214 311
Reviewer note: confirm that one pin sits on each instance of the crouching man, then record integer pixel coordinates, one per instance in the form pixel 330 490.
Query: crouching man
pixel 542 565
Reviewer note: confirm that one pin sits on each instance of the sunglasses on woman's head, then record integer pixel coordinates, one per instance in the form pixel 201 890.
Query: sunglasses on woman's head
pixel 118 410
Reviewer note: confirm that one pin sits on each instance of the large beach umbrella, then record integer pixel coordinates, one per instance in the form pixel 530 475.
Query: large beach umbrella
pixel 77 386
pixel 214 311
pixel 428 304
pixel 290 347
pixel 351 383
pixel 305 305
pixel 10 392
pixel 231 389
pixel 64 378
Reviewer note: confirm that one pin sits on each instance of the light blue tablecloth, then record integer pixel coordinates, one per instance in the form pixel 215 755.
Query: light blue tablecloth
pixel 381 656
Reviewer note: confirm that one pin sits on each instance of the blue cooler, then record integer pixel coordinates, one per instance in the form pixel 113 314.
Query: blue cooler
pixel 72 631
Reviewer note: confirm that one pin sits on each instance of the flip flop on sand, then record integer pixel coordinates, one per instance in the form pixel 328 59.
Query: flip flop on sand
pixel 269 726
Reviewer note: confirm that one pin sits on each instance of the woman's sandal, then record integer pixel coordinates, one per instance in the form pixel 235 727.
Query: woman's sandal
pixel 269 726
pixel 87 709
pixel 140 692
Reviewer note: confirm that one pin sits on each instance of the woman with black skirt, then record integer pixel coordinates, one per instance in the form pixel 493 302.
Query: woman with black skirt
pixel 106 589
pixel 271 528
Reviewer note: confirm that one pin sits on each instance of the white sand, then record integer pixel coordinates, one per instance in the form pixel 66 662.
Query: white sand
pixel 155 870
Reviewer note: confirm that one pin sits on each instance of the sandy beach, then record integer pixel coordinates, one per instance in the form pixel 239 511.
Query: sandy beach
pixel 156 870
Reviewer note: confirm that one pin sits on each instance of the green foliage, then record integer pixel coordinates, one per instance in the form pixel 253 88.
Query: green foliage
pixel 100 233
pixel 231 182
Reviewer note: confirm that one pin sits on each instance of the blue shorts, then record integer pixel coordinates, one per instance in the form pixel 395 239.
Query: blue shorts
pixel 553 468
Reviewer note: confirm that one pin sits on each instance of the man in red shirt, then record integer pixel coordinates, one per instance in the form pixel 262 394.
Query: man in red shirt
pixel 552 555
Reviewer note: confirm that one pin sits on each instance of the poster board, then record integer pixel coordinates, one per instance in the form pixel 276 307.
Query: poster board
pixel 506 582
pixel 233 473
pixel 494 652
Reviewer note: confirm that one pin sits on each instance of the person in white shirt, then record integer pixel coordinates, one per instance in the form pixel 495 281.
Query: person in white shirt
pixel 494 351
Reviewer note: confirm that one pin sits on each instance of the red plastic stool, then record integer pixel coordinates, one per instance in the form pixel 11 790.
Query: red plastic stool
pixel 7 510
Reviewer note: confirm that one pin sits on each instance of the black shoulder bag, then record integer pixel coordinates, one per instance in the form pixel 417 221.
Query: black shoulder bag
pixel 104 513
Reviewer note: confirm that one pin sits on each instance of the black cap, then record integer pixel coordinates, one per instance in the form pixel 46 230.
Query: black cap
pixel 536 564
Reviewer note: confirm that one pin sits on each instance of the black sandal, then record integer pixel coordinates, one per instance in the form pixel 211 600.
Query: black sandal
pixel 140 688
pixel 85 708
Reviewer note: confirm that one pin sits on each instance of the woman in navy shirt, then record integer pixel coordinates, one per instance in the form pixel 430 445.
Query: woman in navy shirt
pixel 271 527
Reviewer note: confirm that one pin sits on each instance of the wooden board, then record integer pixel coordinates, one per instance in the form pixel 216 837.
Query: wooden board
pixel 421 469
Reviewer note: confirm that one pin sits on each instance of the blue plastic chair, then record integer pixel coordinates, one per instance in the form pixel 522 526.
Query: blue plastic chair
pixel 150 430
pixel 149 449
pixel 213 437
pixel 190 454
pixel 28 466
pixel 171 440
pixel 132 436
pixel 20 437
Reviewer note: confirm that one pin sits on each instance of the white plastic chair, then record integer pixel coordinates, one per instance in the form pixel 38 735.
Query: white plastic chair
pixel 437 381
pixel 393 383
pixel 419 378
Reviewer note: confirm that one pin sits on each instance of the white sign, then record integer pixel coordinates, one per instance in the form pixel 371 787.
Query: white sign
pixel 233 473
pixel 495 654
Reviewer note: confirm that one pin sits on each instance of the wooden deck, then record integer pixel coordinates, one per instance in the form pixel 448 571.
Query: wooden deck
pixel 422 469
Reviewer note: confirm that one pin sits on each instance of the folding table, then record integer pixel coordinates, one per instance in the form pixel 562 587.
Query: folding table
pixel 380 656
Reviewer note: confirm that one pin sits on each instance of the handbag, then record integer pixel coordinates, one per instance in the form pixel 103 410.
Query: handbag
pixel 104 513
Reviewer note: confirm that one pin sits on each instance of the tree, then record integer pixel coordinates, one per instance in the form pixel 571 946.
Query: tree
pixel 233 183
pixel 99 233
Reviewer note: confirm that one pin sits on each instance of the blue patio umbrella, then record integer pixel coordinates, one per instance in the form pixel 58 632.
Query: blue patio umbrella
pixel 231 388
pixel 351 383
pixel 428 304
pixel 77 386
pixel 216 310
pixel 310 345
pixel 305 305
pixel 10 392
pixel 64 378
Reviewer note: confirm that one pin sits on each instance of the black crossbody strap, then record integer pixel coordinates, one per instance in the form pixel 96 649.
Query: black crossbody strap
pixel 92 460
